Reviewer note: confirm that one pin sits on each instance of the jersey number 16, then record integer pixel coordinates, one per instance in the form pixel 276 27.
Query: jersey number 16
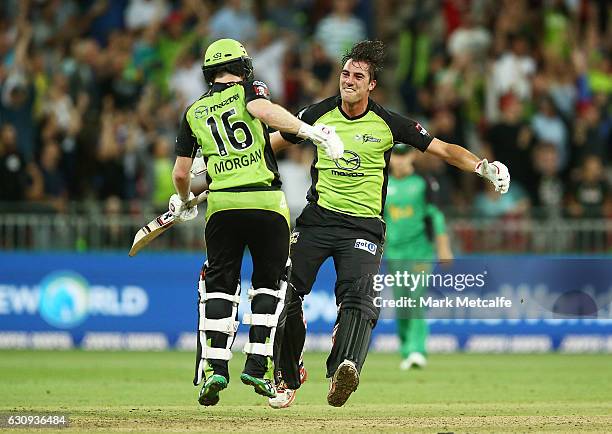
pixel 230 132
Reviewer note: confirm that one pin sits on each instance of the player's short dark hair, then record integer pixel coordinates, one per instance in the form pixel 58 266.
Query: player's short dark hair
pixel 237 68
pixel 371 52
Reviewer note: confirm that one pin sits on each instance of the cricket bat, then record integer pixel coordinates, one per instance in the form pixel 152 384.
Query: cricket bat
pixel 159 225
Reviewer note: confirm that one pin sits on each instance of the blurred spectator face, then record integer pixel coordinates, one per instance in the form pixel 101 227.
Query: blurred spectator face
pixel 318 53
pixel 519 46
pixel 112 206
pixel 402 164
pixel 38 62
pixel 91 51
pixel 446 94
pixel 18 95
pixel 591 115
pixel 50 156
pixel 50 9
pixel 444 122
pixel 119 62
pixel 546 107
pixel 343 7
pixel 546 159
pixel 512 108
pixel 86 51
pixel 8 137
pixel 235 4
pixel 175 24
pixel 60 84
pixel 539 84
pixel 355 83
pixel 592 169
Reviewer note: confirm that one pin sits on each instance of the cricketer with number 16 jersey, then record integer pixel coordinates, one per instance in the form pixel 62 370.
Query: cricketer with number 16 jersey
pixel 242 171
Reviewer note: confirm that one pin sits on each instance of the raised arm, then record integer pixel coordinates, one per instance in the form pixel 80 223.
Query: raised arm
pixel 274 115
pixel 406 130
pixel 453 154
pixel 280 119
pixel 460 157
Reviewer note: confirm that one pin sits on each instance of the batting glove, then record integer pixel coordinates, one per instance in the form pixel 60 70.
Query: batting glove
pixel 324 137
pixel 495 172
pixel 180 210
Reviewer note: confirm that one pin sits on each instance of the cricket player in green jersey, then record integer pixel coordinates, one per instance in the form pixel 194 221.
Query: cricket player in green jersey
pixel 416 236
pixel 343 219
pixel 246 208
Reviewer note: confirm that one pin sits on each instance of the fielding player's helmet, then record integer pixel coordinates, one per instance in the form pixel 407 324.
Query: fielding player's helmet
pixel 228 55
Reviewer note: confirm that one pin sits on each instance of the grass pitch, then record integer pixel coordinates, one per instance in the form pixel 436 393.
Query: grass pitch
pixel 152 392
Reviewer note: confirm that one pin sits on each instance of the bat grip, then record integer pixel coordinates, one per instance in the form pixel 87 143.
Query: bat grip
pixel 198 199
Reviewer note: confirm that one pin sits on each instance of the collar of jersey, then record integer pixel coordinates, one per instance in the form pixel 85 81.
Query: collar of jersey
pixel 353 118
pixel 222 86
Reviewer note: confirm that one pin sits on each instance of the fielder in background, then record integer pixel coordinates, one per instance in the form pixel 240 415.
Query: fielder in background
pixel 416 237
pixel 246 208
pixel 343 219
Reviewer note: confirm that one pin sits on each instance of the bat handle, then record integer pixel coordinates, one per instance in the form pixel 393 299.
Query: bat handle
pixel 198 199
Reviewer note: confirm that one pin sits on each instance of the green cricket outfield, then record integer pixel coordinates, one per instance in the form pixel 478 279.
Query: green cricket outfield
pixel 152 392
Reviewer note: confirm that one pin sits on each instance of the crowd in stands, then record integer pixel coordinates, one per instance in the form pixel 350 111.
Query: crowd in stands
pixel 92 91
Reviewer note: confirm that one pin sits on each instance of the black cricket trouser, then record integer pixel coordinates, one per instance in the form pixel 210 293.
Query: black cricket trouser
pixel 266 234
pixel 356 246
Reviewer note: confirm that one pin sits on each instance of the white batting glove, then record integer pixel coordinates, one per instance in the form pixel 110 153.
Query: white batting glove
pixel 180 210
pixel 198 166
pixel 324 137
pixel 495 172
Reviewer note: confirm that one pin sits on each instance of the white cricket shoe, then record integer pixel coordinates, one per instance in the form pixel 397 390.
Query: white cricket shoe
pixel 417 360
pixel 284 397
pixel 343 383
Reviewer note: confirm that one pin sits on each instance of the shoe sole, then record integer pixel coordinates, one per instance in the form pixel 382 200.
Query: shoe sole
pixel 208 400
pixel 250 381
pixel 344 382
pixel 285 405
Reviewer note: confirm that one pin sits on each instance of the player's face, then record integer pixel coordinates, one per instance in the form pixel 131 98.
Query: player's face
pixel 355 83
pixel 402 164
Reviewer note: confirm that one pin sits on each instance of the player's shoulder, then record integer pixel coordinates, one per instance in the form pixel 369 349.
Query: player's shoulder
pixel 257 87
pixel 315 111
pixel 387 115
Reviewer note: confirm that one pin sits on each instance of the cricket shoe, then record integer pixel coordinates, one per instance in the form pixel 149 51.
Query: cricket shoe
pixel 209 395
pixel 416 360
pixel 343 383
pixel 262 386
pixel 285 396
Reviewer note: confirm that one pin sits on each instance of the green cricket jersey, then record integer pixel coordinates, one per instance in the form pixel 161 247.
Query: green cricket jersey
pixel 356 184
pixel 412 219
pixel 242 170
